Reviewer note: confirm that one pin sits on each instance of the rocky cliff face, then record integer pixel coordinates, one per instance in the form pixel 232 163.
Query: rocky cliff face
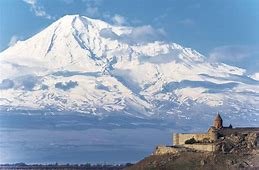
pixel 237 143
pixel 232 152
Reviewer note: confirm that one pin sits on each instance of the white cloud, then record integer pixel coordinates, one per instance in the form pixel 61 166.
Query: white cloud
pixel 230 53
pixel 119 20
pixel 141 34
pixel 13 40
pixel 255 76
pixel 135 21
pixel 37 9
pixel 92 8
pixel 146 32
pixel 31 2
pixel 92 11
pixel 238 55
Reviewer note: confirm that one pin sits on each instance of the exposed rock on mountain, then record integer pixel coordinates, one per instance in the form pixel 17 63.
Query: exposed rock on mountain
pixel 83 65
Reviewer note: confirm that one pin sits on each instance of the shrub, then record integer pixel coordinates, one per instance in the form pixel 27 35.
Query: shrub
pixel 190 141
pixel 205 140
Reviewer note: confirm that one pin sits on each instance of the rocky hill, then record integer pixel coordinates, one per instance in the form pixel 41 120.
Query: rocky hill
pixel 197 160
pixel 233 152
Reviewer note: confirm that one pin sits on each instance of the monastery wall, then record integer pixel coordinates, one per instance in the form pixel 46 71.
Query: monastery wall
pixel 161 150
pixel 180 138
pixel 201 147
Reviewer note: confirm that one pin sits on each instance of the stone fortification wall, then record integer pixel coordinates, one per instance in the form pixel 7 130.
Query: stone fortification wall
pixel 161 150
pixel 229 131
pixel 201 147
pixel 180 138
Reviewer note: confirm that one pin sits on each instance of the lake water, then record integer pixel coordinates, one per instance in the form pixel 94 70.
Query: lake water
pixel 74 139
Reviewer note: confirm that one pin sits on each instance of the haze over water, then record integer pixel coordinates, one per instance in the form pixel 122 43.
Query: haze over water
pixel 66 139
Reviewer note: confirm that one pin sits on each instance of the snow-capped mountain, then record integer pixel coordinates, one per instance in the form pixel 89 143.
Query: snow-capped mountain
pixel 88 66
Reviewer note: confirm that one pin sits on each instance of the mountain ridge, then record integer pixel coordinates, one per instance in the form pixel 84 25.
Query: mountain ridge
pixel 84 65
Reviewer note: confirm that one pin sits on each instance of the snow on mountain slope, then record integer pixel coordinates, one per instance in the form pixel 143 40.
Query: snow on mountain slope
pixel 78 64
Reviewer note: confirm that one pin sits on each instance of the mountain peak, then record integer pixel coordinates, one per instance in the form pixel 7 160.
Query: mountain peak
pixel 83 20
pixel 77 16
pixel 85 65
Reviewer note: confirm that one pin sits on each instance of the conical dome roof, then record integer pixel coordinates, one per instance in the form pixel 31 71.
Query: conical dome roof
pixel 218 122
pixel 218 117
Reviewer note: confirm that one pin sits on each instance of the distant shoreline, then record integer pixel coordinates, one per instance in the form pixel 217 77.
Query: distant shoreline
pixel 87 166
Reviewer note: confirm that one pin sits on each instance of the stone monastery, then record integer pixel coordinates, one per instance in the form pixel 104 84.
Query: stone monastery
pixel 217 138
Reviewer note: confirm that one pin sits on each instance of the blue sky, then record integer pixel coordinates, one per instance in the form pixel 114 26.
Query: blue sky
pixel 225 31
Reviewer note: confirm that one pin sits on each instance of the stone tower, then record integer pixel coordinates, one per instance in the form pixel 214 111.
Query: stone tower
pixel 218 122
pixel 213 134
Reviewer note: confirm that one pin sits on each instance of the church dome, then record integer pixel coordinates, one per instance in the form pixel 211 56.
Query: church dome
pixel 218 117
pixel 218 122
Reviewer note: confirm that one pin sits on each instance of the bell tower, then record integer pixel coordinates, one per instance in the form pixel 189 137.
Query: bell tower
pixel 218 122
